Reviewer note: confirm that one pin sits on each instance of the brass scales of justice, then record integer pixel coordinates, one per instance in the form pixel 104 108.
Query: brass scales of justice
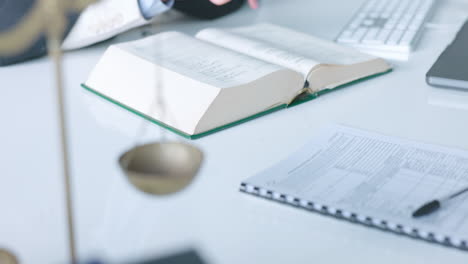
pixel 158 168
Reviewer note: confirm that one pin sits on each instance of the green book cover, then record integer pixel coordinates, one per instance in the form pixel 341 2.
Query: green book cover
pixel 299 100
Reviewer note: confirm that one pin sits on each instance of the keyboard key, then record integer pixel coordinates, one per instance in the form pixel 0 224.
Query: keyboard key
pixel 408 37
pixel 384 35
pixel 347 37
pixel 389 25
pixel 386 15
pixel 368 22
pixel 370 36
pixel 356 23
pixel 415 24
pixel 401 26
pixel 395 37
pixel 347 33
pixel 359 34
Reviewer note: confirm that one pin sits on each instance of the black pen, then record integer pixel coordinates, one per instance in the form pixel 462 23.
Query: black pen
pixel 434 205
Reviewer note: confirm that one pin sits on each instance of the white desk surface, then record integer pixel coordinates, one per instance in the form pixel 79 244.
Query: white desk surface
pixel 116 222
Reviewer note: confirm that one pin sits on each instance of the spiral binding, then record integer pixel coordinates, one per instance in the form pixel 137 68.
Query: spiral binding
pixel 354 217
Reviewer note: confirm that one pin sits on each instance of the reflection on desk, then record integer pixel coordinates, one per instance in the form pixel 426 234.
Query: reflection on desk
pixel 449 98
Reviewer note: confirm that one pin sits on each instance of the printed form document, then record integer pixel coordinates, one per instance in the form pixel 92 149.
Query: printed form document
pixel 375 180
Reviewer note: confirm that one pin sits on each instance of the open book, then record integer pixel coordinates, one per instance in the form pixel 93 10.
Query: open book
pixel 224 77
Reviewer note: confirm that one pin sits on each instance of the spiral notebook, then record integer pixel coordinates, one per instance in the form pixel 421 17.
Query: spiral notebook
pixel 374 180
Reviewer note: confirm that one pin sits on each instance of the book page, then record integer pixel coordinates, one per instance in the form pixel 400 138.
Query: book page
pixel 376 176
pixel 305 45
pixel 259 49
pixel 199 60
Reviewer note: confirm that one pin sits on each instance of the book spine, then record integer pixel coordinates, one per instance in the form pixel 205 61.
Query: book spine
pixel 354 217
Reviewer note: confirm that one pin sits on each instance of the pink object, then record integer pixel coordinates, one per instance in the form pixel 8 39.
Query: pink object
pixel 253 4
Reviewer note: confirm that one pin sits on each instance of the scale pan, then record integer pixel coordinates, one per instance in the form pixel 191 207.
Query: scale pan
pixel 161 168
pixel 7 257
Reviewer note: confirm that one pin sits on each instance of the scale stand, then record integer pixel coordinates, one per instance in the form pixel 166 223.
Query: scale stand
pixel 159 168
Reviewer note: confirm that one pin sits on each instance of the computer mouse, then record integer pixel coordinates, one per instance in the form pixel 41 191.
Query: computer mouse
pixel 11 14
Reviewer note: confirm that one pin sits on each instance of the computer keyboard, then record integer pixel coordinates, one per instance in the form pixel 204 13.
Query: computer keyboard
pixel 387 28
